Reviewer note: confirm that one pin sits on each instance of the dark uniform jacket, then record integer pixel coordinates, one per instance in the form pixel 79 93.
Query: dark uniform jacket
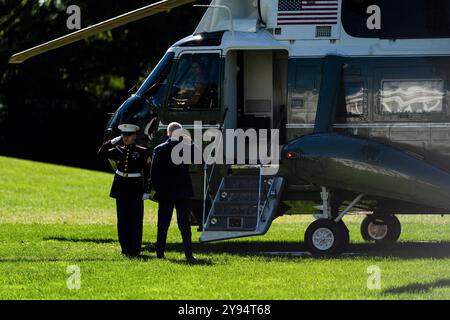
pixel 169 180
pixel 128 160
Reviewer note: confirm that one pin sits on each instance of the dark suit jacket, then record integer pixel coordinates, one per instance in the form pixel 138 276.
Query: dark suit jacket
pixel 170 181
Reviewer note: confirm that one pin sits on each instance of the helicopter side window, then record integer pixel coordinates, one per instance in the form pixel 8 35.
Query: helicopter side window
pixel 353 100
pixel 304 87
pixel 196 84
pixel 412 96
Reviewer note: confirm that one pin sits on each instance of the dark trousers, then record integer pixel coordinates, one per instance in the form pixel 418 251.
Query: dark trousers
pixel 165 210
pixel 130 215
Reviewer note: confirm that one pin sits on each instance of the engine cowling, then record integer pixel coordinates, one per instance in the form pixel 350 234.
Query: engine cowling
pixel 362 165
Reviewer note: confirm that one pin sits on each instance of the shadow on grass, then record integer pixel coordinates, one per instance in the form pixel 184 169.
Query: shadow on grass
pixel 143 258
pixel 198 262
pixel 280 249
pixel 64 239
pixel 273 249
pixel 419 287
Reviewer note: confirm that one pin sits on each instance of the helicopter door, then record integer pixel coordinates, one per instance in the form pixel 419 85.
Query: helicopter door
pixel 255 91
pixel 260 90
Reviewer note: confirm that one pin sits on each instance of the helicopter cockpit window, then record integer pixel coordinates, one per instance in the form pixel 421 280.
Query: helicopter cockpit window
pixel 154 86
pixel 412 96
pixel 196 84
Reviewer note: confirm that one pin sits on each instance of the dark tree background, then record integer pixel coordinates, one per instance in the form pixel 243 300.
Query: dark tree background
pixel 55 107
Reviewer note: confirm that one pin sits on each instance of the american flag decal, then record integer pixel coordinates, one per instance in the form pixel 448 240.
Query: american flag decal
pixel 308 12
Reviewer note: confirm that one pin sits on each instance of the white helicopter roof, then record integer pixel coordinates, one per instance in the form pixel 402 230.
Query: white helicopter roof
pixel 304 28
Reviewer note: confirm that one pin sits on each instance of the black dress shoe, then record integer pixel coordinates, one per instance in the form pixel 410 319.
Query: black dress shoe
pixel 191 259
pixel 131 255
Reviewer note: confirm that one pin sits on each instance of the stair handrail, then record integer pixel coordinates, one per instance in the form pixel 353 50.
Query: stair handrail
pixel 260 213
pixel 259 192
pixel 207 180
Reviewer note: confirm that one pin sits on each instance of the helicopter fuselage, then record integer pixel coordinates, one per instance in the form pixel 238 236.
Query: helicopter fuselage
pixel 356 93
pixel 301 89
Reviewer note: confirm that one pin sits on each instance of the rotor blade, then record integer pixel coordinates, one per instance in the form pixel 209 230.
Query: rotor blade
pixel 110 24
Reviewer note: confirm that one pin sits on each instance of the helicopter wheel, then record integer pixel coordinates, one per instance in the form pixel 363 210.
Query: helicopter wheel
pixel 325 237
pixel 381 229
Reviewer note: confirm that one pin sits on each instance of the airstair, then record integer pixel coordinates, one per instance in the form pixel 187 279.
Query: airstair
pixel 244 205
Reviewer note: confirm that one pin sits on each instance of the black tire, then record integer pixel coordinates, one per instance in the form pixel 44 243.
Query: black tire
pixel 387 229
pixel 336 237
pixel 346 232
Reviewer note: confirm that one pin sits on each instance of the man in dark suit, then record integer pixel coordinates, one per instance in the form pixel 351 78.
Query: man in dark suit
pixel 173 189
pixel 130 187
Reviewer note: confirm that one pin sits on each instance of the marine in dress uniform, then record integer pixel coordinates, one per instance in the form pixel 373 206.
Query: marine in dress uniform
pixel 173 189
pixel 130 187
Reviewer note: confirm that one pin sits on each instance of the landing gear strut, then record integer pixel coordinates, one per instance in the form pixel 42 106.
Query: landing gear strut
pixel 329 235
pixel 381 228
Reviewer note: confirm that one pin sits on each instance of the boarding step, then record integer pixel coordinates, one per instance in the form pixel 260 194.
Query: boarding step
pixel 244 205
pixel 239 195
pixel 242 208
pixel 241 181
pixel 232 223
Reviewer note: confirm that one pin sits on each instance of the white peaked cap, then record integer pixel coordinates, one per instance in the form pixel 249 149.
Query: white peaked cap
pixel 128 128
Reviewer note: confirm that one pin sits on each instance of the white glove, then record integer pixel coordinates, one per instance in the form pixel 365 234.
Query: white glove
pixel 146 196
pixel 116 140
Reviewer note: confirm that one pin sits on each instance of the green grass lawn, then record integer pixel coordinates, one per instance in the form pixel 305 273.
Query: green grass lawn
pixel 52 217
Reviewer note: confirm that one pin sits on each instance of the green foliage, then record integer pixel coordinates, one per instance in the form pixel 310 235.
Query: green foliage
pixel 77 86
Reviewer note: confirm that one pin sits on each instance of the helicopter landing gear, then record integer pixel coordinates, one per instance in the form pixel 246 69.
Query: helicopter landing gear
pixel 381 228
pixel 329 235
pixel 326 237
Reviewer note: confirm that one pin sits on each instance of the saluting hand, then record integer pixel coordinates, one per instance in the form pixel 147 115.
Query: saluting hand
pixel 186 139
pixel 116 140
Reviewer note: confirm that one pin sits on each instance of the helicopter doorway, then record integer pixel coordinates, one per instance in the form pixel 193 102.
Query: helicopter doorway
pixel 261 88
pixel 256 90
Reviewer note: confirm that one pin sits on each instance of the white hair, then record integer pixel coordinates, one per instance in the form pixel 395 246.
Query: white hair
pixel 172 127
